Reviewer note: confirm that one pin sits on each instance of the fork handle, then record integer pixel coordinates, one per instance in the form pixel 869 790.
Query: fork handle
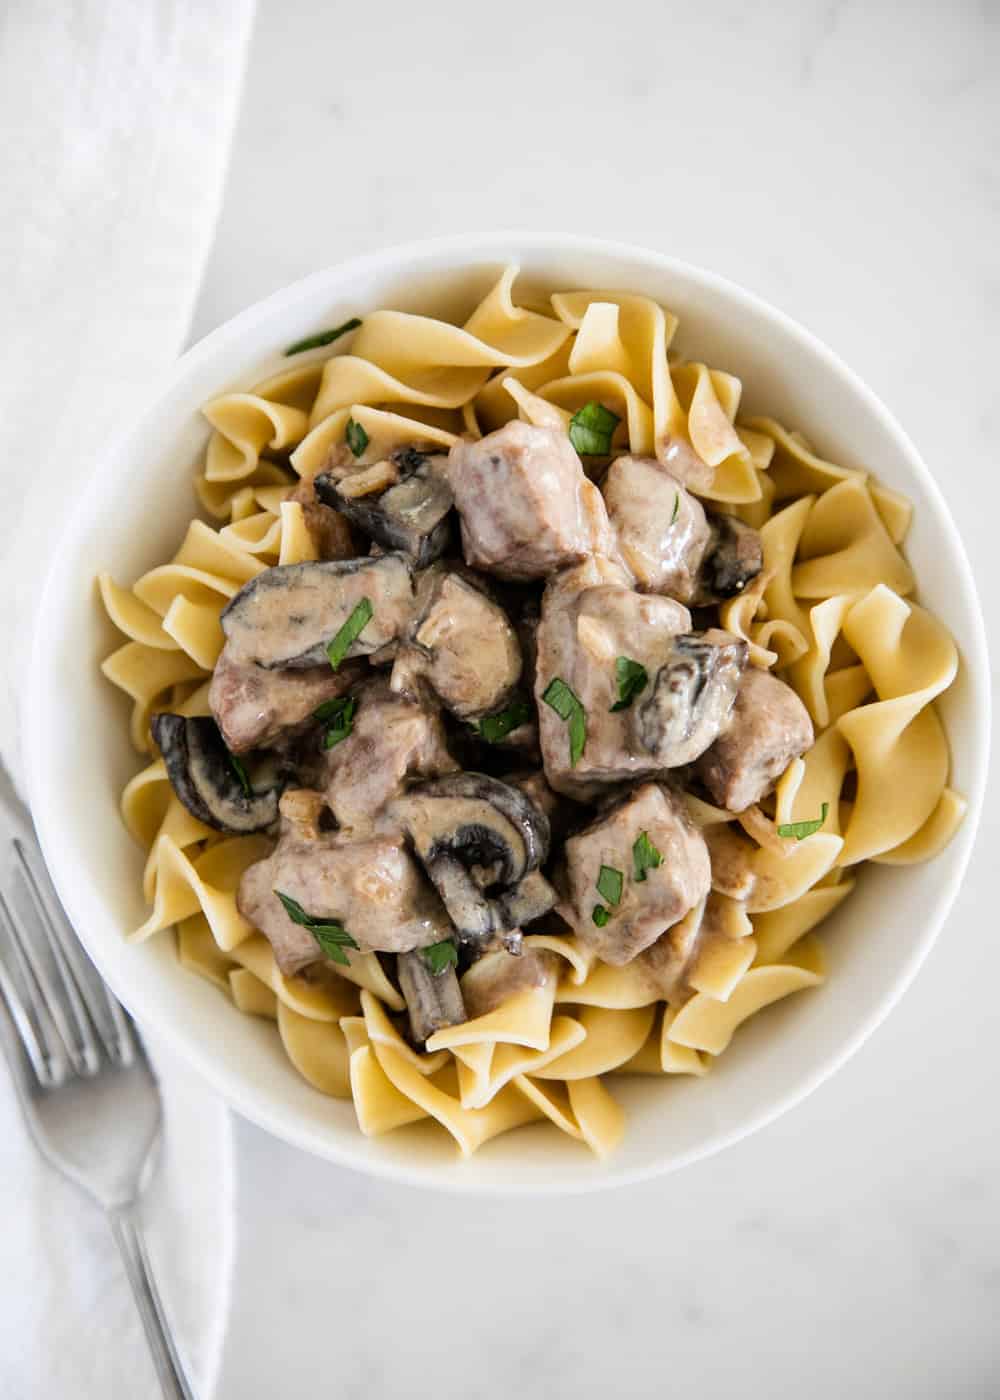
pixel 166 1360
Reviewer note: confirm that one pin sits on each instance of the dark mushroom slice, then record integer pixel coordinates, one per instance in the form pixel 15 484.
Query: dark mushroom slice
pixel 433 999
pixel 691 697
pixel 409 514
pixel 205 778
pixel 478 839
pixel 733 559
pixel 287 616
pixel 461 646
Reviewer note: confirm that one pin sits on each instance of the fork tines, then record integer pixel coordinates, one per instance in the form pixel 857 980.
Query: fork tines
pixel 62 1011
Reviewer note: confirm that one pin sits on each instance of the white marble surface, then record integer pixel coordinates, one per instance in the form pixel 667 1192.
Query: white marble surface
pixel 841 160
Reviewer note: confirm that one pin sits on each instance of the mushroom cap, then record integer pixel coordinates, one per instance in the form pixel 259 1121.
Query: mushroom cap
pixel 410 515
pixel 205 779
pixel 288 615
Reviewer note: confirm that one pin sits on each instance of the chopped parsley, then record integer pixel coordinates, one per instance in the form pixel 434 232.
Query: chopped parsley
pixel 313 342
pixel 591 429
pixel 600 915
pixel 357 438
pixel 331 936
pixel 677 506
pixel 559 697
pixel 440 956
pixel 610 883
pixel 645 855
pixel 342 642
pixel 496 727
pixel 632 678
pixel 338 716
pixel 241 773
pixel 800 830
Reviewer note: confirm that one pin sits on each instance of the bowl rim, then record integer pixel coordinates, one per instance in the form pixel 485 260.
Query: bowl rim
pixel 228 1082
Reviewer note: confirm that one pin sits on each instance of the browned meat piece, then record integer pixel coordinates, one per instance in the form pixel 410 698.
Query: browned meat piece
pixel 373 888
pixel 254 707
pixel 393 739
pixel 461 645
pixel 526 507
pixel 590 619
pixel 650 841
pixel 498 975
pixel 287 616
pixel 663 533
pixel 667 961
pixel 330 532
pixel 768 727
pixel 683 462
pixel 691 696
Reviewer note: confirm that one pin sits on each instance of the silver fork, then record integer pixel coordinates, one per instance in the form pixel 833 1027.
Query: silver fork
pixel 80 1070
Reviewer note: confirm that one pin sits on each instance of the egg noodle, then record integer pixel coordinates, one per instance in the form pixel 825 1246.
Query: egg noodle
pixel 831 613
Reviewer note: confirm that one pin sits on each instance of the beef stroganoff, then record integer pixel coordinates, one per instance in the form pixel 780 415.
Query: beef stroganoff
pixel 523 712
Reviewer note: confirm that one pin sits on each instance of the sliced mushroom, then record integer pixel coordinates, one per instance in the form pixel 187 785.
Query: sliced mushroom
pixel 287 616
pixel 433 999
pixel 205 778
pixel 403 503
pixel 733 559
pixel 461 645
pixel 692 696
pixel 478 839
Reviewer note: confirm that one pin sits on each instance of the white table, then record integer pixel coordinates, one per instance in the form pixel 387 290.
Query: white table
pixel 840 160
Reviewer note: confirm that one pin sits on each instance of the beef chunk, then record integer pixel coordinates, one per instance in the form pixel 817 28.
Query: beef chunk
pixel 768 727
pixel 526 507
pixel 649 905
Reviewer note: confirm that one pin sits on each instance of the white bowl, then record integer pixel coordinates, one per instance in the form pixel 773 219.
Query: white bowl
pixel 79 755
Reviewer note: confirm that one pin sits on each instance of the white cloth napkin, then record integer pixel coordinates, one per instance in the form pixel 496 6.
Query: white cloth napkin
pixel 117 117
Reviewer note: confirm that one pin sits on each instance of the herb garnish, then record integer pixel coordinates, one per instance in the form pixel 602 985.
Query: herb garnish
pixel 331 936
pixel 800 830
pixel 241 773
pixel 632 678
pixel 645 855
pixel 559 697
pixel 677 506
pixel 338 716
pixel 496 727
pixel 313 342
pixel 610 883
pixel 591 429
pixel 343 640
pixel 357 438
pixel 440 956
pixel 600 915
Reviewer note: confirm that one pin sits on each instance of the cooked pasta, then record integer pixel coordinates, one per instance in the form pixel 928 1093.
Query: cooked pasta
pixel 675 849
